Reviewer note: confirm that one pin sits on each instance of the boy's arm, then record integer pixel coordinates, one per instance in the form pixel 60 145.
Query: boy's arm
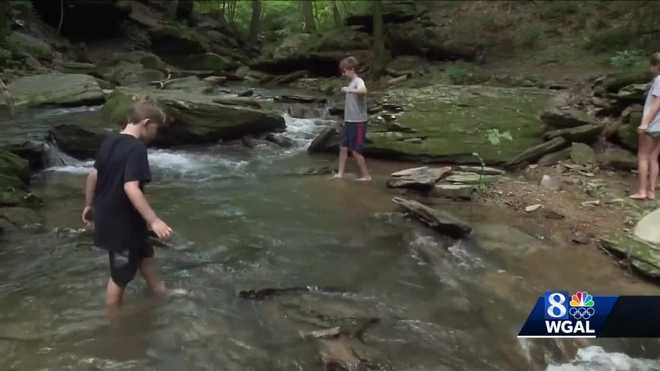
pixel 90 188
pixel 139 201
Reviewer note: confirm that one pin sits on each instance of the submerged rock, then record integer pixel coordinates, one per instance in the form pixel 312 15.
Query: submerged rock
pixel 326 141
pixel 56 89
pixel 422 178
pixel 441 221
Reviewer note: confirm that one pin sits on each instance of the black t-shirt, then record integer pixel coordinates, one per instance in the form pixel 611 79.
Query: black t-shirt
pixel 118 225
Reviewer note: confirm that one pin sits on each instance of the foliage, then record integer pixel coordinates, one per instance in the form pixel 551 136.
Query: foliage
pixel 628 58
pixel 281 16
pixel 495 136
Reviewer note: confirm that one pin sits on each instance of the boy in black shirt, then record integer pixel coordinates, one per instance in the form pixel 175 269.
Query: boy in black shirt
pixel 115 200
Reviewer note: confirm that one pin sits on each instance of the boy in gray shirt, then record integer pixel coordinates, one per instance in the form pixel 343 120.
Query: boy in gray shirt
pixel 355 120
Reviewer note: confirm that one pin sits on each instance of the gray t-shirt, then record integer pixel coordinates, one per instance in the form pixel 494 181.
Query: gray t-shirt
pixel 654 91
pixel 355 109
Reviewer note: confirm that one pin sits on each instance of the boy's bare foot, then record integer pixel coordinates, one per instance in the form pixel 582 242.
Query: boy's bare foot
pixel 638 196
pixel 336 176
pixel 364 179
pixel 650 196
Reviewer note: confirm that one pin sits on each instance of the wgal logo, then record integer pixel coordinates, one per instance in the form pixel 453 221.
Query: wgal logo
pixel 568 315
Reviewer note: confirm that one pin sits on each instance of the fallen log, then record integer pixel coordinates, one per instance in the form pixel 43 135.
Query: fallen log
pixel 439 220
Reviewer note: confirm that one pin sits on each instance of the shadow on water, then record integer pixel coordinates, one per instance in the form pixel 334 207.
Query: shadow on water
pixel 403 297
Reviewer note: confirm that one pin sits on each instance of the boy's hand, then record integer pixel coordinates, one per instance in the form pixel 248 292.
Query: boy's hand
pixel 162 230
pixel 87 216
pixel 642 129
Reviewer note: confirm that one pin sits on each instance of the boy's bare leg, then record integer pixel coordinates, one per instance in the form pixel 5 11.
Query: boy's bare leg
pixel 113 298
pixel 362 164
pixel 148 271
pixel 343 156
pixel 645 147
pixel 654 169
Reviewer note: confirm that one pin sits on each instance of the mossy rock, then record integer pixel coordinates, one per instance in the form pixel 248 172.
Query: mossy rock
pixel 130 73
pixel 19 42
pixel 627 135
pixel 12 190
pixel 20 216
pixel 615 82
pixel 453 122
pixel 61 89
pixel 146 59
pixel 14 166
pixel 644 256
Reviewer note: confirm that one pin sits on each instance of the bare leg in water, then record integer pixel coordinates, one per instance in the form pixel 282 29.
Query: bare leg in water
pixel 148 271
pixel 654 168
pixel 113 298
pixel 644 152
pixel 343 156
pixel 362 164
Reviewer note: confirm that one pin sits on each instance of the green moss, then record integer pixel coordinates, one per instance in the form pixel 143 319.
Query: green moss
pixel 117 106
pixel 643 255
pixel 14 166
pixel 454 122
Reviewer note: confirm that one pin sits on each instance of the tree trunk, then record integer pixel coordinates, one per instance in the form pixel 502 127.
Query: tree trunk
pixel 255 22
pixel 379 37
pixel 308 15
pixel 335 13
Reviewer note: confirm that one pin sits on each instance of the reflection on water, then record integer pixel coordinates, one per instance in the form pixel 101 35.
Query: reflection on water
pixel 413 300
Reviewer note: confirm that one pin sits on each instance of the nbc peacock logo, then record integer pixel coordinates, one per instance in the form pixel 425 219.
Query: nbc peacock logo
pixel 582 306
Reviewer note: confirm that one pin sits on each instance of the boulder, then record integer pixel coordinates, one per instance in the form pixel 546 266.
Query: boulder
pixel 554 157
pixel 439 220
pixel 582 154
pixel 326 141
pixel 584 133
pixel 617 158
pixel 503 124
pixel 421 178
pixel 79 141
pixel 209 62
pixel 626 135
pixel 19 42
pixel 56 89
pixel 561 113
pixel 454 191
pixel 647 228
pixel 413 38
pixel 177 40
pixel 281 140
pixel 14 166
pixel 300 99
pixel 130 73
pixel 534 153
pixel 195 118
pixel 633 93
pixel 612 83
pixel 146 59
pixel 642 255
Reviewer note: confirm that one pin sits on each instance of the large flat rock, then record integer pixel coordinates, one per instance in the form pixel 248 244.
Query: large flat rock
pixel 451 123
pixel 56 89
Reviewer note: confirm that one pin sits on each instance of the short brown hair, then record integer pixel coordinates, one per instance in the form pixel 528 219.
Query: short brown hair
pixel 144 109
pixel 654 60
pixel 348 63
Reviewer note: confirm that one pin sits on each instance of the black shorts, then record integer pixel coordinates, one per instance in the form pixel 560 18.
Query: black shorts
pixel 124 264
pixel 353 135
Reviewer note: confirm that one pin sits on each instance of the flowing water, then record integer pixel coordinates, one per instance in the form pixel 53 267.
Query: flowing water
pixel 245 221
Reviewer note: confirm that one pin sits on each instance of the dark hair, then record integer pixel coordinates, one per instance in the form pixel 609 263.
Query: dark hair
pixel 654 60
pixel 348 63
pixel 144 109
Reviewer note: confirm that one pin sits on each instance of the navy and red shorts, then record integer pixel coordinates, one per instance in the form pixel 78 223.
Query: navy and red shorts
pixel 353 135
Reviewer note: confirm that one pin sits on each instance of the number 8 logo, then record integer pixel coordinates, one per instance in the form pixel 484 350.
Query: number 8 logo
pixel 556 309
